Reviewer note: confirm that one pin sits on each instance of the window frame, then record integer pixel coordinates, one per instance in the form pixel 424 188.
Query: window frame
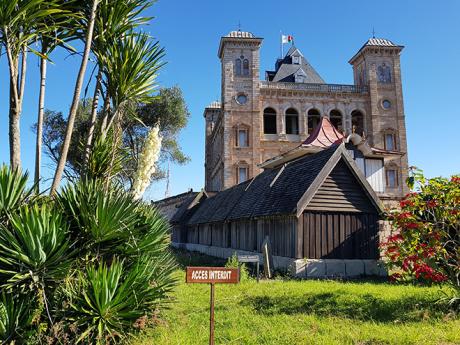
pixel 270 114
pixel 245 68
pixel 239 129
pixel 313 114
pixel 387 177
pixel 238 67
pixel 393 140
pixel 294 114
pixel 244 167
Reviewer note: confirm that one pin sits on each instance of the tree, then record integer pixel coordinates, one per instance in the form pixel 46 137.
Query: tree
pixel 115 19
pixel 53 32
pixel 18 30
pixel 76 98
pixel 425 241
pixel 168 109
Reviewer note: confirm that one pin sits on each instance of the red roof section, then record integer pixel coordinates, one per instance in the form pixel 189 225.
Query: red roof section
pixel 324 135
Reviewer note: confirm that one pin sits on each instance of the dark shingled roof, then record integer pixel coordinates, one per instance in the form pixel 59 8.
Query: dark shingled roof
pixel 285 69
pixel 256 197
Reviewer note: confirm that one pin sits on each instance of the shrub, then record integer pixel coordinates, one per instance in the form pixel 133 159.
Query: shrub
pixel 106 300
pixel 34 250
pixel 424 243
pixel 232 262
pixel 92 262
pixel 15 316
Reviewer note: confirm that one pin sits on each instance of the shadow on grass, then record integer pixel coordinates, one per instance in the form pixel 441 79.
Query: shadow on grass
pixel 185 258
pixel 363 307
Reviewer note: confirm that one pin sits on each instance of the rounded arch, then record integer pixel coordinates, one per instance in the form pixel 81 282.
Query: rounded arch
pixel 336 118
pixel 292 121
pixel 314 116
pixel 269 121
pixel 357 122
pixel 238 67
pixel 246 67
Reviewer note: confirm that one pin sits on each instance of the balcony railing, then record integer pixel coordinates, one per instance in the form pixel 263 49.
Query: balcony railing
pixel 327 88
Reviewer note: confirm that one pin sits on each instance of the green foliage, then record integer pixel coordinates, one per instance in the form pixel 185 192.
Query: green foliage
pixel 105 161
pixel 15 312
pixel 232 262
pixel 288 312
pixel 34 249
pixel 106 300
pixel 168 109
pixel 425 242
pixel 13 191
pixel 93 258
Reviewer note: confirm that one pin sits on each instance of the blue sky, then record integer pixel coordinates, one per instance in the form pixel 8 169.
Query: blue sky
pixel 327 32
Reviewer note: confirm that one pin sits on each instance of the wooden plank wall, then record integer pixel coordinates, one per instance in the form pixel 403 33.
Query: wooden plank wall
pixel 332 235
pixel 248 234
pixel 341 192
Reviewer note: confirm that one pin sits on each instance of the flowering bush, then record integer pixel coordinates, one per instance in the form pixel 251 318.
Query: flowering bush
pixel 424 243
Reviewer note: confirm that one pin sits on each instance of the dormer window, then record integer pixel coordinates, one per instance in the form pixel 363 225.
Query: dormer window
pixel 296 60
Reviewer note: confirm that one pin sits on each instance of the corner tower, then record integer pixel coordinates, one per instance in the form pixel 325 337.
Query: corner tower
pixel 377 66
pixel 239 56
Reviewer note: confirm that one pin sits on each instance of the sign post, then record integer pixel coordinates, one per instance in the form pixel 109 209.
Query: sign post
pixel 212 275
pixel 251 259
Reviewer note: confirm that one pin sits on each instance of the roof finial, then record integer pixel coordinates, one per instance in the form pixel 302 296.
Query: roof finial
pixel 239 25
pixel 373 32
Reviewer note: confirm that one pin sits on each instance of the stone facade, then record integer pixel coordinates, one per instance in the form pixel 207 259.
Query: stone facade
pixel 374 102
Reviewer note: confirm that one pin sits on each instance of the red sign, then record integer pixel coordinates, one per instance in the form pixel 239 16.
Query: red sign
pixel 211 275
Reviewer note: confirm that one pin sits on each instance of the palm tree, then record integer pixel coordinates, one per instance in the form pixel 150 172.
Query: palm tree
pixel 115 19
pixel 131 67
pixel 54 32
pixel 17 30
pixel 76 97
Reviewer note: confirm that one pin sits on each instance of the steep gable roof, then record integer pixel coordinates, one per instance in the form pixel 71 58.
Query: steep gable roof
pixel 285 69
pixel 278 191
pixel 188 206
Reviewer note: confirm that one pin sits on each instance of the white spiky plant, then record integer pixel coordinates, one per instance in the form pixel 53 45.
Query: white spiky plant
pixel 147 162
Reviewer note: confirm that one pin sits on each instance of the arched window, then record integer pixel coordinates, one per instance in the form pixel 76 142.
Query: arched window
pixel 313 119
pixel 292 121
pixel 269 121
pixel 238 67
pixel 245 67
pixel 357 122
pixel 335 117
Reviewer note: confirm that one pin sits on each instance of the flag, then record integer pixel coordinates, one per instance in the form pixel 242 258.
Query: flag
pixel 286 38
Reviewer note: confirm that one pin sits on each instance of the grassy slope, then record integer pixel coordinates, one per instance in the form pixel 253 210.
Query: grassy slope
pixel 306 312
pixel 302 312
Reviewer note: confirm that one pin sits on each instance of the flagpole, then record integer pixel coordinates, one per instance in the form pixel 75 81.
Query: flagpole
pixel 281 44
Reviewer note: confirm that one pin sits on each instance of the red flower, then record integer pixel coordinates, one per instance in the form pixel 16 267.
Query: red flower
pixel 412 225
pixel 395 237
pixel 431 203
pixel 405 215
pixel 405 203
pixel 395 276
pixel 455 179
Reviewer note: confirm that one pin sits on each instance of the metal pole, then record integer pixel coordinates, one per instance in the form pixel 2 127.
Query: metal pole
pixel 211 317
pixel 257 270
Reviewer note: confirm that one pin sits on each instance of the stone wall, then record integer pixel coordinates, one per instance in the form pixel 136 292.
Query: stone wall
pixel 300 268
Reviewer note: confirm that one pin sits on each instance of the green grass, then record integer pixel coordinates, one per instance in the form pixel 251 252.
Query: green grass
pixel 305 312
